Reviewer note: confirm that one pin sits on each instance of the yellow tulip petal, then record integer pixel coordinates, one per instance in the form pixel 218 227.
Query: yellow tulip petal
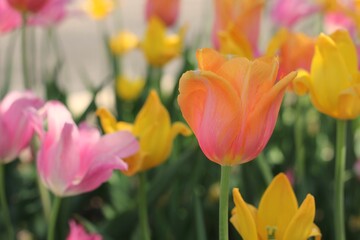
pixel 301 224
pixel 180 128
pixel 347 49
pixel 277 207
pixel 128 89
pixel 301 82
pixel 98 9
pixel 242 218
pixel 123 42
pixel 276 42
pixel 315 232
pixel 124 126
pixel 349 103
pixel 107 120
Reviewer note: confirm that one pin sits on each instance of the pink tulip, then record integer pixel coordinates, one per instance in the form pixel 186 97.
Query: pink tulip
pixel 74 160
pixel 288 12
pixel 166 10
pixel 27 5
pixel 338 20
pixel 17 112
pixel 77 232
pixel 50 13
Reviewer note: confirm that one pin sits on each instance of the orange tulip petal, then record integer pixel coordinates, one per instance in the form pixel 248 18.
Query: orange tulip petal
pixel 209 59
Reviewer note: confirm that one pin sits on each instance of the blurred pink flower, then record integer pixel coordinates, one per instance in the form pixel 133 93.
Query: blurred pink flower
pixel 338 20
pixel 166 10
pixel 288 12
pixel 17 112
pixel 77 232
pixel 32 6
pixel 74 160
pixel 51 13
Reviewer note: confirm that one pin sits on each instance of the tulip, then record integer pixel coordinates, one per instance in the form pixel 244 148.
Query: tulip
pixel 237 18
pixel 278 216
pixel 52 12
pixel 77 232
pixel 166 10
pixel 74 160
pixel 333 82
pixel 129 89
pixel 154 130
pixel 295 51
pixel 17 115
pixel 289 12
pixel 159 48
pixel 99 9
pixel 27 5
pixel 123 42
pixel 232 105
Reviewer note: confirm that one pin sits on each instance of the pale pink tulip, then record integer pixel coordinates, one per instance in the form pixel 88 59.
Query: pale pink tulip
pixel 50 13
pixel 74 160
pixel 166 10
pixel 77 232
pixel 17 112
pixel 288 12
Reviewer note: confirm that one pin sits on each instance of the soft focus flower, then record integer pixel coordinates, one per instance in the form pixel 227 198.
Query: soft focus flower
pixel 129 89
pixel 232 105
pixel 74 160
pixel 123 42
pixel 77 232
pixel 288 12
pixel 295 51
pixel 278 216
pixel 166 10
pixel 240 19
pixel 51 13
pixel 17 115
pixel 27 5
pixel 99 9
pixel 334 83
pixel 158 47
pixel 334 21
pixel 154 130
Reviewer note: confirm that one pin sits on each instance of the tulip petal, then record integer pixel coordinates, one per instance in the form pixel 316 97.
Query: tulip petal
pixel 301 82
pixel 315 232
pixel 242 218
pixel 349 100
pixel 301 224
pixel 107 120
pixel 209 59
pixel 208 101
pixel 277 207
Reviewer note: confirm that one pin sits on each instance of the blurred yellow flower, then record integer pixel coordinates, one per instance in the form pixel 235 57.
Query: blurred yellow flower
pixel 278 216
pixel 154 131
pixel 129 89
pixel 158 47
pixel 334 80
pixel 123 42
pixel 99 9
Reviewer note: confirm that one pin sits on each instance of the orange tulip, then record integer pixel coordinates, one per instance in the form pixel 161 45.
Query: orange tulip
pixel 232 104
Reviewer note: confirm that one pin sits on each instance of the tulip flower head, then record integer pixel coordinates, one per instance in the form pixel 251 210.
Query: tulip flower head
pixel 17 123
pixel 77 232
pixel 158 47
pixel 73 160
pixel 129 89
pixel 278 216
pixel 232 104
pixel 27 5
pixel 333 82
pixel 99 9
pixel 166 10
pixel 154 130
pixel 123 42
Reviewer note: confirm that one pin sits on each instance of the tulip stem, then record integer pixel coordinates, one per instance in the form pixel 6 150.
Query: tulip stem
pixel 299 149
pixel 45 199
pixel 4 203
pixel 224 203
pixel 265 168
pixel 27 82
pixel 340 179
pixel 143 214
pixel 53 218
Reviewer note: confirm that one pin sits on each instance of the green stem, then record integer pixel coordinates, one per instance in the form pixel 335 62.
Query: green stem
pixel 143 214
pixel 299 149
pixel 27 81
pixel 54 214
pixel 45 199
pixel 224 203
pixel 4 203
pixel 265 168
pixel 339 179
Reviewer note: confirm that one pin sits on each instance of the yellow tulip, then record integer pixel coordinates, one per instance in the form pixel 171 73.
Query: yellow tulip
pixel 154 131
pixel 333 82
pixel 123 42
pixel 99 9
pixel 128 89
pixel 158 47
pixel 278 216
